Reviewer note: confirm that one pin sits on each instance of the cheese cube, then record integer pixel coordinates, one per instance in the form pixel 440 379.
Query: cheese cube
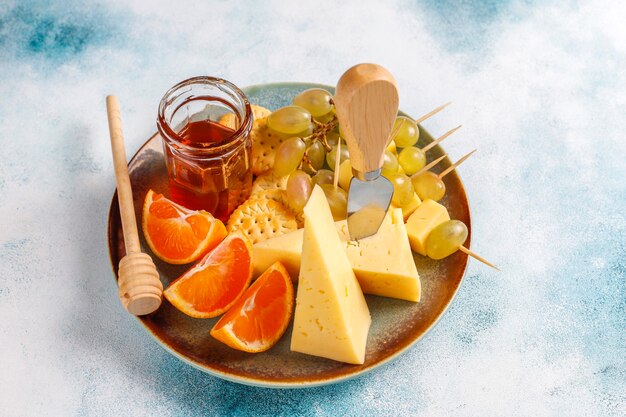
pixel 331 317
pixel 410 207
pixel 424 219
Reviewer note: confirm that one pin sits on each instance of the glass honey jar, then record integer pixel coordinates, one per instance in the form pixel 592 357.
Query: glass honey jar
pixel 205 125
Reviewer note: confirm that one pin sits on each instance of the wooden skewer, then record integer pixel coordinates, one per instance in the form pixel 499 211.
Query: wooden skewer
pixel 456 164
pixel 429 166
pixel 140 288
pixel 440 139
pixel 477 257
pixel 337 164
pixel 432 113
pixel 395 130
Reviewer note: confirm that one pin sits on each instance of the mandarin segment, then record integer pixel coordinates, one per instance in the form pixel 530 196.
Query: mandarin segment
pixel 258 320
pixel 176 234
pixel 216 282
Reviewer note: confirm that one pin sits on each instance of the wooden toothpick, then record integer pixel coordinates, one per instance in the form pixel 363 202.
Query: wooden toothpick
pixel 395 131
pixel 477 257
pixel 429 166
pixel 432 113
pixel 419 120
pixel 440 139
pixel 337 164
pixel 456 164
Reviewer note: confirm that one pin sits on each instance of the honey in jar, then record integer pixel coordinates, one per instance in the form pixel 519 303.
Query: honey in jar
pixel 208 163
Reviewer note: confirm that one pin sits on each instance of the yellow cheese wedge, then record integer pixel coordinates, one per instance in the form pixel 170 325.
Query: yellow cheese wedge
pixel 331 317
pixel 425 218
pixel 410 207
pixel 383 263
pixel 285 248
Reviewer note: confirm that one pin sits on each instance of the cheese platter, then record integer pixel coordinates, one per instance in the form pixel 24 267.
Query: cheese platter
pixel 397 316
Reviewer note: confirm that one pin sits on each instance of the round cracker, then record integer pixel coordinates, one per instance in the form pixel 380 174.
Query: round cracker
pixel 268 181
pixel 264 146
pixel 261 219
pixel 258 112
pixel 280 196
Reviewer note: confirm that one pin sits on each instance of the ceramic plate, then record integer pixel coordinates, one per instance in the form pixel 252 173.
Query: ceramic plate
pixel 396 324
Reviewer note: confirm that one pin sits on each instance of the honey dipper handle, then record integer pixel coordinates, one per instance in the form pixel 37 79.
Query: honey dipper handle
pixel 124 190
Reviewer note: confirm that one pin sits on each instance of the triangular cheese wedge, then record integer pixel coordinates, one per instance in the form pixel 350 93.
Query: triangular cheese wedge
pixel 285 248
pixel 331 318
pixel 383 263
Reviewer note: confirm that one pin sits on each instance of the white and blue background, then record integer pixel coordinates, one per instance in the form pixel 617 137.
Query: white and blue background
pixel 540 88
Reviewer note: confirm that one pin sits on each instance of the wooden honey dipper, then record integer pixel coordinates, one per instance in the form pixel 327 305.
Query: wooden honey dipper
pixel 140 288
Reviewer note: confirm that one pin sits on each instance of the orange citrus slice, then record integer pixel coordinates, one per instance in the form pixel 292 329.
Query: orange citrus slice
pixel 213 285
pixel 259 319
pixel 176 234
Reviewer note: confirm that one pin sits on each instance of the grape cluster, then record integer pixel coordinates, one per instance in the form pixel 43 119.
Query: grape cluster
pixel 309 154
pixel 313 127
pixel 398 167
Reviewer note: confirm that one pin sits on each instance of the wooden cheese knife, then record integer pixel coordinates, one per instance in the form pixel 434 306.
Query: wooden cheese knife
pixel 366 102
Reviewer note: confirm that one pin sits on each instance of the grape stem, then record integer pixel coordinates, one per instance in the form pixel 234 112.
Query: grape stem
pixel 307 161
pixel 321 129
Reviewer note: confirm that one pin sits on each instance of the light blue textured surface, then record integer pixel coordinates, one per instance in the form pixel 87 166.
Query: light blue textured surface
pixel 540 88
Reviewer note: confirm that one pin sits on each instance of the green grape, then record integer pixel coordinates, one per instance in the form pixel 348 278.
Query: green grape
pixel 412 159
pixel 299 189
pixel 341 132
pixel 306 132
pixel 445 239
pixel 288 156
pixel 332 138
pixel 325 118
pixel 289 120
pixel 315 100
pixel 317 157
pixel 337 200
pixel 429 185
pixel 330 156
pixel 402 190
pixel 323 176
pixel 390 165
pixel 407 134
pixel 345 174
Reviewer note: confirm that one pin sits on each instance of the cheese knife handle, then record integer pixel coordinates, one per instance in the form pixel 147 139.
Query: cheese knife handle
pixel 366 103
